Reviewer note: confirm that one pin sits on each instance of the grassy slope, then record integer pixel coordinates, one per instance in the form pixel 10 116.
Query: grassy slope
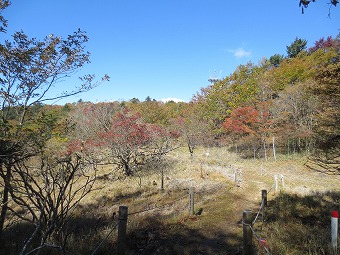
pixel 166 227
pixel 160 224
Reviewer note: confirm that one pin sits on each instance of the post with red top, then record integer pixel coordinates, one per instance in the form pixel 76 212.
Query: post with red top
pixel 334 231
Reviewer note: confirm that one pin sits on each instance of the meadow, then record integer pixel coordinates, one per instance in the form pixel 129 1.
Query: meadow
pixel 297 220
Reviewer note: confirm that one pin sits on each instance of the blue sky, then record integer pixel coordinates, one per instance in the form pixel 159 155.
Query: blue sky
pixel 169 48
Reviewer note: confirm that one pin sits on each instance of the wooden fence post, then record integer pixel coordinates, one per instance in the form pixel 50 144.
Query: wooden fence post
pixel 191 201
pixel 264 198
pixel 265 202
pixel 248 248
pixel 123 216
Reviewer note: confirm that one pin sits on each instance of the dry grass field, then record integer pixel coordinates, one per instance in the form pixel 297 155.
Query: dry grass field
pixel 159 221
pixel 296 220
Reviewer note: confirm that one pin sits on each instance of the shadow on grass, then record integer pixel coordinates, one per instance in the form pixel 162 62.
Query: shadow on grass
pixel 158 237
pixel 301 224
pixel 151 234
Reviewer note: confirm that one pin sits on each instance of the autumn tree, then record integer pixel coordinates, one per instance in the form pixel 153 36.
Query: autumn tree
pixel 323 43
pixel 152 112
pixel 242 120
pixel 327 89
pixel 88 119
pixel 217 101
pixel 132 142
pixel 29 68
pixel 249 124
pixel 293 114
pixel 193 129
pixel 48 187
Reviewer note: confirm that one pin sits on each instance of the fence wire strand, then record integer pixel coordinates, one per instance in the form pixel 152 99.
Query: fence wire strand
pixel 145 210
pixel 271 188
pixel 258 213
pixel 158 207
pixel 258 238
pixel 106 237
pixel 211 190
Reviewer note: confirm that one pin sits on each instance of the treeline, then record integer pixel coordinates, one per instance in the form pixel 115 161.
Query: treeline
pixel 289 104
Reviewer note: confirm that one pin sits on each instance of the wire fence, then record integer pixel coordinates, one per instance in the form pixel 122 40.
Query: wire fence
pixel 160 207
pixel 153 208
pixel 248 231
pixel 250 224
pixel 106 237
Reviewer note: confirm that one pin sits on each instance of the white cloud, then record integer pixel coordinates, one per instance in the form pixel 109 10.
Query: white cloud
pixel 176 100
pixel 240 53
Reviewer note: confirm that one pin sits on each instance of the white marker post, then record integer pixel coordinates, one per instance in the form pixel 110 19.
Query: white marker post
pixel 334 230
pixel 276 183
pixel 282 181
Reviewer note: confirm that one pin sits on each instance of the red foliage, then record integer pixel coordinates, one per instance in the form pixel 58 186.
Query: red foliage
pixel 129 130
pixel 126 129
pixel 248 121
pixel 322 44
pixel 242 120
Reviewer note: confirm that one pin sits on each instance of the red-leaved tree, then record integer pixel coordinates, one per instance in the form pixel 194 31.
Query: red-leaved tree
pixel 129 141
pixel 248 124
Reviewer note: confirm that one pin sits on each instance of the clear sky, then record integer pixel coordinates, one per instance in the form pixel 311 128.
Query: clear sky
pixel 169 48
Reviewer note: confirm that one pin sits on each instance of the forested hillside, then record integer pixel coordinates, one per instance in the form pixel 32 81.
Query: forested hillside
pixel 290 102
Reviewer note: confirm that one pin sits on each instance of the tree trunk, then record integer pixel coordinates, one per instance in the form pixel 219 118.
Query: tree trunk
pixel 274 149
pixel 265 148
pixel 162 180
pixel 191 150
pixel 6 189
pixel 127 169
pixel 288 148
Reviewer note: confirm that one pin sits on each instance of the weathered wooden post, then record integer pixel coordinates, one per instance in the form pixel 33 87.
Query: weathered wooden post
pixel 123 216
pixel 191 201
pixel 264 202
pixel 248 248
pixel 264 198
